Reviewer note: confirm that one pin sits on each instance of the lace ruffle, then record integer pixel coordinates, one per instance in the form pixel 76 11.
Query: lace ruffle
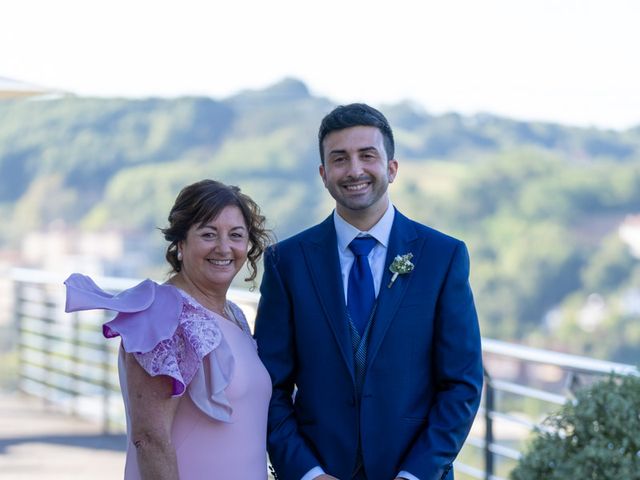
pixel 180 356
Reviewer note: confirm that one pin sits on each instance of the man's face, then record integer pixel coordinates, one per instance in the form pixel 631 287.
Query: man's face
pixel 356 170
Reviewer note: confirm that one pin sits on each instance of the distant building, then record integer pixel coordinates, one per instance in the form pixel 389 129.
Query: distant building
pixel 7 261
pixel 629 232
pixel 110 253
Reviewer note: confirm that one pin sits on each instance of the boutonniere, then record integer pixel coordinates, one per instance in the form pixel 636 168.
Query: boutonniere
pixel 401 264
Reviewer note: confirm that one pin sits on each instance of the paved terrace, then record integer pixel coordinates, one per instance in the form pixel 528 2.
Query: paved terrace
pixel 37 442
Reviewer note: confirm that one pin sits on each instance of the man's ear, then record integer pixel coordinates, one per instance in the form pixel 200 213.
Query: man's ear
pixel 322 174
pixel 392 170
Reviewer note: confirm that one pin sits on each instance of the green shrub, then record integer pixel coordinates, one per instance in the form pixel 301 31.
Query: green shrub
pixel 596 436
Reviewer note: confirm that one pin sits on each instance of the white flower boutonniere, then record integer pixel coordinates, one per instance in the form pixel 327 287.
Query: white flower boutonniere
pixel 400 264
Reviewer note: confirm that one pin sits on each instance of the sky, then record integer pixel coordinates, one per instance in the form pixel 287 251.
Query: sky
pixel 564 61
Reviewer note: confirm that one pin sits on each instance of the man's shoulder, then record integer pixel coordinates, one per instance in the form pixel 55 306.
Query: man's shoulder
pixel 288 253
pixel 314 233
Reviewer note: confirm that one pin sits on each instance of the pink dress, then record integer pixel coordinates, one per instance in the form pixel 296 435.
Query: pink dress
pixel 220 427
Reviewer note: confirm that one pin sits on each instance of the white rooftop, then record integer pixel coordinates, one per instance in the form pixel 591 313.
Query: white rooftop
pixel 10 88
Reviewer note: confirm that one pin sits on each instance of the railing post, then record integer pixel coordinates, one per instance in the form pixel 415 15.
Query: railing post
pixel 17 310
pixel 74 364
pixel 47 334
pixel 489 408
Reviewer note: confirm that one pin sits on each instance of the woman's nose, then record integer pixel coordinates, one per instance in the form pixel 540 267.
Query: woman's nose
pixel 223 244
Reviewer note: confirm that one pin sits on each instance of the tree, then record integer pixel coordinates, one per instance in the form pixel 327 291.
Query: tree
pixel 596 436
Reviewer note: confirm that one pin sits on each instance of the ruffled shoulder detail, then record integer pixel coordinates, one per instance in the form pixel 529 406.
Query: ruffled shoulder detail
pixel 167 332
pixel 147 313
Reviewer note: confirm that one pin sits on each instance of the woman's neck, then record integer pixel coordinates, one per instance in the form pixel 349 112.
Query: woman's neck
pixel 210 298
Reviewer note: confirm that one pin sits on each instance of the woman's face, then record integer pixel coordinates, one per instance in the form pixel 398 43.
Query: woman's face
pixel 212 254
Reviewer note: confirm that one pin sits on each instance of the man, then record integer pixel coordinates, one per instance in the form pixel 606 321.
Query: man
pixel 376 375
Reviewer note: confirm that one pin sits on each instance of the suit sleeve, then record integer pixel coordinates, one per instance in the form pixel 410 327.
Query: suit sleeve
pixel 457 372
pixel 274 332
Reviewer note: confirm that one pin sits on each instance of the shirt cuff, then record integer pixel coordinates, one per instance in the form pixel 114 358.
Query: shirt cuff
pixel 407 475
pixel 317 471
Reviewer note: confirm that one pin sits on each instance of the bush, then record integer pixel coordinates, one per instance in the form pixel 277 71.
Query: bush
pixel 596 436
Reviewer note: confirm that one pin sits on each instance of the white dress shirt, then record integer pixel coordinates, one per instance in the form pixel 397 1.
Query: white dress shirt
pixel 345 233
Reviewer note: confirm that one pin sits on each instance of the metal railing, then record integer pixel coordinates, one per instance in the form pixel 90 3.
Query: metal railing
pixel 523 385
pixel 64 359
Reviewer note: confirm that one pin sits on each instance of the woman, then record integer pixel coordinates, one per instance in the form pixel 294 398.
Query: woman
pixel 196 394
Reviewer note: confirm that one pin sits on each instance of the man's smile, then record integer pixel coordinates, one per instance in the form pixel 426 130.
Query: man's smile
pixel 357 187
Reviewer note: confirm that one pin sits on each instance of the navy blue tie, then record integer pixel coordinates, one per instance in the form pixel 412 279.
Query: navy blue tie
pixel 360 290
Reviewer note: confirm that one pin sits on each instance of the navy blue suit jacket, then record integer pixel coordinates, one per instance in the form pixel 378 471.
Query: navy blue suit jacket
pixel 424 369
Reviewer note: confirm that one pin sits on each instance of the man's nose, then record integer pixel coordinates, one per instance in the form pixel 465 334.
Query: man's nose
pixel 355 167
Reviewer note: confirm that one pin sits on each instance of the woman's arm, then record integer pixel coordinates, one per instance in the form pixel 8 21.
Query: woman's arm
pixel 151 410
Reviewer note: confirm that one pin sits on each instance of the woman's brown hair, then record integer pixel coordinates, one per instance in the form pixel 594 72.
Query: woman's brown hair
pixel 201 202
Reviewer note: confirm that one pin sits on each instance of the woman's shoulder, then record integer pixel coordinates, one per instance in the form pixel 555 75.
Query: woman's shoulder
pixel 236 310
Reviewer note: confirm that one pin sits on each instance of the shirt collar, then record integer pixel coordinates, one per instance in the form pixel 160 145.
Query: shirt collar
pixel 381 231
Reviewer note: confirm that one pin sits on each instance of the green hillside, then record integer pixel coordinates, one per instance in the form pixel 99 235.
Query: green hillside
pixel 538 204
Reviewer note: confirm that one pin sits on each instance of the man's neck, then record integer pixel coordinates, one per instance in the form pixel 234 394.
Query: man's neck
pixel 365 219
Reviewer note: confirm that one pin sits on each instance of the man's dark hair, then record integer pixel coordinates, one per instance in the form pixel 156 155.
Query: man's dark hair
pixel 356 115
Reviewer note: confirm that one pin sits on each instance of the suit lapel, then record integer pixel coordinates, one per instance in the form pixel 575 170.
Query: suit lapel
pixel 321 256
pixel 403 239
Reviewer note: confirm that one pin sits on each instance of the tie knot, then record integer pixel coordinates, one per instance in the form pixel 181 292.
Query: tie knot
pixel 361 246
